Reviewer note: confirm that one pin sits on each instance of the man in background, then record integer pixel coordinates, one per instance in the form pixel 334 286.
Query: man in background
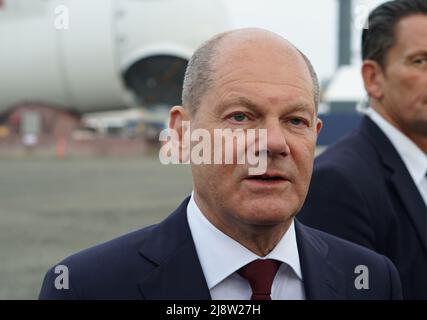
pixel 371 187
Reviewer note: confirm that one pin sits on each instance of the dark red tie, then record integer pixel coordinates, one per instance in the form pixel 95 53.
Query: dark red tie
pixel 260 274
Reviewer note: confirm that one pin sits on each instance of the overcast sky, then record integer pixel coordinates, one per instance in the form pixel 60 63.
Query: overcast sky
pixel 311 25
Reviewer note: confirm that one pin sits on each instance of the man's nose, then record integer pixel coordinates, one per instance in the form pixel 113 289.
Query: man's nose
pixel 276 139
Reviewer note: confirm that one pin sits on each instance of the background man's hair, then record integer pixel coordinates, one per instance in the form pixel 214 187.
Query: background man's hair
pixel 380 36
pixel 199 75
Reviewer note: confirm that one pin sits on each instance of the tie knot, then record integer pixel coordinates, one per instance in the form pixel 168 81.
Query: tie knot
pixel 260 274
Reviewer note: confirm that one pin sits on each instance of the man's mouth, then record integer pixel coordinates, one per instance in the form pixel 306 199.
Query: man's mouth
pixel 267 179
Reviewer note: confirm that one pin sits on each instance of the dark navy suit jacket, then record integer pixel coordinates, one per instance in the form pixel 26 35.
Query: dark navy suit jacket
pixel 160 262
pixel 362 191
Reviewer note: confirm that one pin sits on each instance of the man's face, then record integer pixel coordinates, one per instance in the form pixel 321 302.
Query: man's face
pixel 404 84
pixel 259 86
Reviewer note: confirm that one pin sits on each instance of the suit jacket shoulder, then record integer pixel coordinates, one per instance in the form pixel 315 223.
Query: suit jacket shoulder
pixel 340 269
pixel 157 262
pixel 99 271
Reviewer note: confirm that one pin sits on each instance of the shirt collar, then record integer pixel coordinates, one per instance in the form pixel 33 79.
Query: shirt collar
pixel 413 157
pixel 220 256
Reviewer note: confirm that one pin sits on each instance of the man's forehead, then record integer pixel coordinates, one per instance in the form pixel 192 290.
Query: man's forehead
pixel 262 70
pixel 412 30
pixel 260 61
pixel 261 57
pixel 252 43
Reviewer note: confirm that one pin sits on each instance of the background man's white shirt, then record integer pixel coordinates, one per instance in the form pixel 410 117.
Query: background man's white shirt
pixel 413 157
pixel 221 256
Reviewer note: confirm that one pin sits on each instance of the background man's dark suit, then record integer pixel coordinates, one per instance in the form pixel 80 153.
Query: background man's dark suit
pixel 160 262
pixel 362 191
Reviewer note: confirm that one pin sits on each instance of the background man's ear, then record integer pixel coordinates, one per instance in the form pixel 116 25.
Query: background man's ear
pixel 179 121
pixel 373 75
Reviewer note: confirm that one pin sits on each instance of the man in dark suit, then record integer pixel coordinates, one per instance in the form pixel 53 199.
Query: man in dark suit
pixel 371 187
pixel 235 237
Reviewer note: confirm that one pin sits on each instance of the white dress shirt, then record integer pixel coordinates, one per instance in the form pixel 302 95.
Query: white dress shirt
pixel 413 157
pixel 220 257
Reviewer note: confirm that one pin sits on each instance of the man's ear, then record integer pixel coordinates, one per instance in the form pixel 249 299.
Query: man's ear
pixel 179 122
pixel 373 76
pixel 319 125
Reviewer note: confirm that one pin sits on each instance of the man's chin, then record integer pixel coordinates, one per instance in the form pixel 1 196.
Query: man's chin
pixel 268 215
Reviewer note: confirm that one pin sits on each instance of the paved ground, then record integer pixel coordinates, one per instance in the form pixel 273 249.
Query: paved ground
pixel 50 209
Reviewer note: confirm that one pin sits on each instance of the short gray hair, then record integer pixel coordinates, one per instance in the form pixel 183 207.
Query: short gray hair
pixel 199 76
pixel 314 78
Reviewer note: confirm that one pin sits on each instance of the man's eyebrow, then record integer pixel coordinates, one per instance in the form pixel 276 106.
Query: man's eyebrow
pixel 420 52
pixel 239 101
pixel 301 107
pixel 295 107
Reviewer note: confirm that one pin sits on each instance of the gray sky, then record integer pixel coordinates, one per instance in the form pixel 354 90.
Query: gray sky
pixel 311 25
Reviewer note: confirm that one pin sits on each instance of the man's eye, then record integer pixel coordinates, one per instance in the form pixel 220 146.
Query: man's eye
pixel 296 122
pixel 239 117
pixel 420 61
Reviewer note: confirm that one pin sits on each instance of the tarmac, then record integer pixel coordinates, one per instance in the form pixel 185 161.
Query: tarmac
pixel 52 208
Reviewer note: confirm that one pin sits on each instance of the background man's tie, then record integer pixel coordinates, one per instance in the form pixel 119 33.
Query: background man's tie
pixel 260 274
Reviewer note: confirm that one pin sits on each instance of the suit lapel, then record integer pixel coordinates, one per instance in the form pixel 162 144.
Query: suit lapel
pixel 322 280
pixel 177 273
pixel 400 178
pixel 413 202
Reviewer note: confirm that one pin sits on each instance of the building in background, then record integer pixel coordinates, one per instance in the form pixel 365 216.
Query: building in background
pixel 91 56
pixel 344 93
